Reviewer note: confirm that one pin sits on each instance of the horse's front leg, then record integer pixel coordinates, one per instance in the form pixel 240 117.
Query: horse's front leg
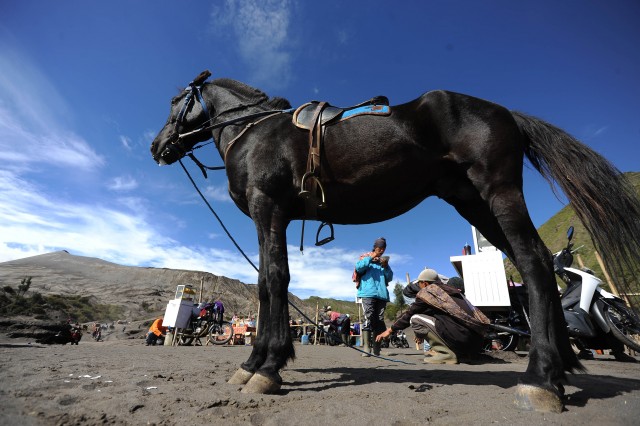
pixel 273 347
pixel 259 352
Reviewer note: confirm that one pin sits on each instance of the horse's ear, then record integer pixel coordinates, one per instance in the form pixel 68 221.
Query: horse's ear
pixel 201 78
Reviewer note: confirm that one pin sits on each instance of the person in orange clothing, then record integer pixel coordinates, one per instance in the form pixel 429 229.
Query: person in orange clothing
pixel 156 331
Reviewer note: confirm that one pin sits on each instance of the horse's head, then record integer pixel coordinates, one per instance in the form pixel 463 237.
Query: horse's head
pixel 184 127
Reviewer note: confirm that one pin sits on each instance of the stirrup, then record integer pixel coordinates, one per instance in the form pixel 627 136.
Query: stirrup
pixel 327 239
pixel 305 194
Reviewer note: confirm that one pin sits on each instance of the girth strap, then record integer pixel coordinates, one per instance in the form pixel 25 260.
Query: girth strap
pixel 311 179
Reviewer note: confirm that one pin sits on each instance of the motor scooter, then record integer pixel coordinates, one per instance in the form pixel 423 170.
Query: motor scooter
pixel 399 339
pixel 596 319
pixel 507 328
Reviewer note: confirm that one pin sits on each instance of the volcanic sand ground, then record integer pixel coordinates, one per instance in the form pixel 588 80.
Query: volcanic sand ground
pixel 126 382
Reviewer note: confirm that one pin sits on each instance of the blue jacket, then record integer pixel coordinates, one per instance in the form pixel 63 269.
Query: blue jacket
pixel 374 279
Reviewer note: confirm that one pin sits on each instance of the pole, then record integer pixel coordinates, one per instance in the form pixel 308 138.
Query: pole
pixel 201 286
pixel 315 338
pixel 612 286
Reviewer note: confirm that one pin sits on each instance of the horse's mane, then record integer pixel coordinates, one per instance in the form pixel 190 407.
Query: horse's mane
pixel 250 94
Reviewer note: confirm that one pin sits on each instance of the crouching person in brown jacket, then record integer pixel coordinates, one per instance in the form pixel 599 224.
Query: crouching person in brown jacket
pixel 444 317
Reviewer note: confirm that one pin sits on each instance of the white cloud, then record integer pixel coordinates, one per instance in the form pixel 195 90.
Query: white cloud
pixel 126 142
pixel 343 37
pixel 217 193
pixel 261 31
pixel 593 131
pixel 122 184
pixel 21 148
pixel 31 113
pixel 23 86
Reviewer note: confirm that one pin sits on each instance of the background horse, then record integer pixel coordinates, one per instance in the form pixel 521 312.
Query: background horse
pixel 464 150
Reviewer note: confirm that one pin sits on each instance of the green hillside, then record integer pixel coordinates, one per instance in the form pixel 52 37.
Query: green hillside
pixel 554 234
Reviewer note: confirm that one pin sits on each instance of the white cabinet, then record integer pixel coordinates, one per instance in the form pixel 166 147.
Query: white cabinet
pixel 178 313
pixel 485 281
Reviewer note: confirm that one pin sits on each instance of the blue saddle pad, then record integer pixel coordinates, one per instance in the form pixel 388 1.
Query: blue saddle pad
pixel 366 110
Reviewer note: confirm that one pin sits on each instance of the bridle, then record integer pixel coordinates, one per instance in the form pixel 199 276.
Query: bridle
pixel 175 150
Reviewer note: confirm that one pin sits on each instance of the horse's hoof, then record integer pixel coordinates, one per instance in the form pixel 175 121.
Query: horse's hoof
pixel 261 384
pixel 533 398
pixel 240 377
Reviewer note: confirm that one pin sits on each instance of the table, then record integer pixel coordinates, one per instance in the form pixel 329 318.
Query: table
pixel 239 331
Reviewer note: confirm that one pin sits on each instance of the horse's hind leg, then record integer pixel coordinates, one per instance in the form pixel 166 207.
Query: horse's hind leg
pixel 500 214
pixel 273 346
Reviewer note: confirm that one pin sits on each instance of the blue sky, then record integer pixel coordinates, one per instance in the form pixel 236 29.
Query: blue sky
pixel 85 86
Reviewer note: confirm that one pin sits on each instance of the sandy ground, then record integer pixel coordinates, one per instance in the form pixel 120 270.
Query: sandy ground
pixel 124 382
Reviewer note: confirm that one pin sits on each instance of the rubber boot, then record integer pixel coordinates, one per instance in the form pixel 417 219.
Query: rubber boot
pixel 443 354
pixel 366 342
pixel 376 345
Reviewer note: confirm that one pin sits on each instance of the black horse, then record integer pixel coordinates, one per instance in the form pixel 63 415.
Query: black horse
pixel 465 150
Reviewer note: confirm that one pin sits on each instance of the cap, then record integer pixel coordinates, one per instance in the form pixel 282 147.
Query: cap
pixel 380 242
pixel 428 275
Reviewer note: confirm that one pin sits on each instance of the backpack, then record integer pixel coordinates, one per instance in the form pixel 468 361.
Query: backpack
pixel 340 320
pixel 439 296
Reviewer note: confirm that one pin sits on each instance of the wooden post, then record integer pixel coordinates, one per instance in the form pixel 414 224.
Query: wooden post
pixel 579 259
pixel 201 286
pixel 612 286
pixel 315 338
pixel 257 320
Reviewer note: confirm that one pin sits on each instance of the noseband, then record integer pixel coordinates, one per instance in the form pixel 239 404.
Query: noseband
pixel 175 149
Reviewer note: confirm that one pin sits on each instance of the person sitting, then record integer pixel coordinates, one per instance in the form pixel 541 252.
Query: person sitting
pixel 454 329
pixel 218 311
pixel 340 323
pixel 156 331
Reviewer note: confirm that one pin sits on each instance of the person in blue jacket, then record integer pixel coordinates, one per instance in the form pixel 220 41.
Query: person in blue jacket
pixel 373 275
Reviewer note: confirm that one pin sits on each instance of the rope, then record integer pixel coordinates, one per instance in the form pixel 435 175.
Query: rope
pixel 217 217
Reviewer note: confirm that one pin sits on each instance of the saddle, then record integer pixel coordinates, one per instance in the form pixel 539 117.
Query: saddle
pixel 303 117
pixel 316 116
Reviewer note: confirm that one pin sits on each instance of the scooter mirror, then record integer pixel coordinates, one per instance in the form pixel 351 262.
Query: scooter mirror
pixel 570 233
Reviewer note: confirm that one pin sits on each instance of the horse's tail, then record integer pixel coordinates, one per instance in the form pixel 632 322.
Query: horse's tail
pixel 604 200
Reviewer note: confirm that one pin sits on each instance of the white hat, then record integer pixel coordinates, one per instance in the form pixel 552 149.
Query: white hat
pixel 428 275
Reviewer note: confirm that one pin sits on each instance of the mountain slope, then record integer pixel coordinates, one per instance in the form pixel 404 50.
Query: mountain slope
pixel 554 234
pixel 141 292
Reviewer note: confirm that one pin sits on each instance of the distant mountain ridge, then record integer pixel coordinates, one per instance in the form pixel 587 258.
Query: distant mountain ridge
pixel 142 292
